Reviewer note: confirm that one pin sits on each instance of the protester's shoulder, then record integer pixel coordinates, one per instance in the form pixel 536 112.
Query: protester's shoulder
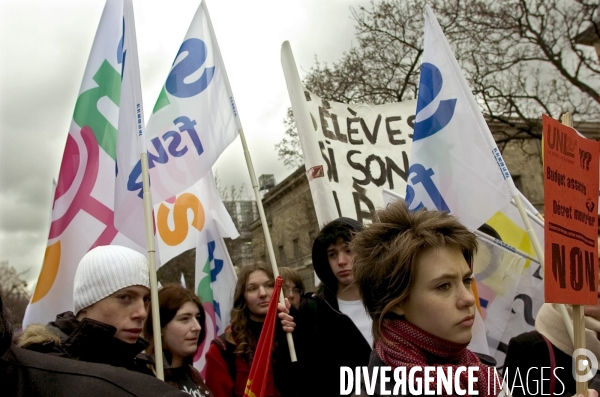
pixel 39 337
pixel 48 376
pixel 527 339
pixel 375 360
pixel 222 343
pixel 486 359
pixel 524 349
pixel 46 337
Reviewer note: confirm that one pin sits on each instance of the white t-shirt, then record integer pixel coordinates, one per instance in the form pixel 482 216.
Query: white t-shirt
pixel 356 311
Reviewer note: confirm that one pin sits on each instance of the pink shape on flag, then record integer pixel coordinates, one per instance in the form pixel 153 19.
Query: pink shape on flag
pixel 83 199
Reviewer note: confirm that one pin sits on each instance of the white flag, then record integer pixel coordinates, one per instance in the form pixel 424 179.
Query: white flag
pixel 197 218
pixel 194 118
pixel 129 206
pixel 454 167
pixel 82 211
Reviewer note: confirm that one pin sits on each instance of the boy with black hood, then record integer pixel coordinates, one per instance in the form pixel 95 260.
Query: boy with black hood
pixel 333 328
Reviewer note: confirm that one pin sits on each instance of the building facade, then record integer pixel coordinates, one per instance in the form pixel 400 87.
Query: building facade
pixel 292 225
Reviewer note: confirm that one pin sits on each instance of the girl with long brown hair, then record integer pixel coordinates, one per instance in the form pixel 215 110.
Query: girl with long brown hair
pixel 182 323
pixel 229 357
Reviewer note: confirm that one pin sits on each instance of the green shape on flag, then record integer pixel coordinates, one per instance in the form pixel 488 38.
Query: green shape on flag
pixel 86 109
pixel 204 290
pixel 162 101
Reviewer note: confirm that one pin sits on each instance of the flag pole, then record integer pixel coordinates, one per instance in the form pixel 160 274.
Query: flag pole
pixel 254 181
pixel 268 242
pixel 537 247
pixel 149 222
pixel 147 197
pixel 578 319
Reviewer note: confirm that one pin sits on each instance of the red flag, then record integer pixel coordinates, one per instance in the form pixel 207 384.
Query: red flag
pixel 257 380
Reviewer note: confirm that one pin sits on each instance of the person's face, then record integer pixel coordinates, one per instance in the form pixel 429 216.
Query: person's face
pixel 291 292
pixel 594 310
pixel 180 335
pixel 126 310
pixel 441 300
pixel 341 260
pixel 259 289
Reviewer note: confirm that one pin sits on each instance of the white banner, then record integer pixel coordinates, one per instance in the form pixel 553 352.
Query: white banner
pixel 351 152
pixel 363 149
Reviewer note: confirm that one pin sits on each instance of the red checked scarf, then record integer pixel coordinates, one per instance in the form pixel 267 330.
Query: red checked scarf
pixel 405 345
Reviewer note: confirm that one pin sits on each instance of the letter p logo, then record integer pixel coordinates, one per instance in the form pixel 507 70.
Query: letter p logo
pixel 585 365
pixel 430 85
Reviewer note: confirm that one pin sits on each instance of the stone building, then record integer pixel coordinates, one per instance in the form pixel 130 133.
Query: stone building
pixel 292 225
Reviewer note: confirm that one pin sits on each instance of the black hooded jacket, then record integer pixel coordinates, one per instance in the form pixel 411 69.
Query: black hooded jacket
pixel 85 340
pixel 29 373
pixel 326 338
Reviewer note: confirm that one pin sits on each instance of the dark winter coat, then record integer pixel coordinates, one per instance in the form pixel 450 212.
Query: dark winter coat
pixel 26 373
pixel 85 340
pixel 185 378
pixel 325 338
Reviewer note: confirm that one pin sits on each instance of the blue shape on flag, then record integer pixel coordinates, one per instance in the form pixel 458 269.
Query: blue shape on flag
pixel 217 310
pixel 120 53
pixel 214 271
pixel 430 86
pixel 423 176
pixel 483 303
pixel 410 196
pixel 196 54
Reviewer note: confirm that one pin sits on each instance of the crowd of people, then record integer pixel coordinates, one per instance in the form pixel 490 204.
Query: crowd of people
pixel 395 293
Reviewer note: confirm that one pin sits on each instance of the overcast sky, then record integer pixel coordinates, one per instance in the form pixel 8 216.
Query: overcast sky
pixel 44 46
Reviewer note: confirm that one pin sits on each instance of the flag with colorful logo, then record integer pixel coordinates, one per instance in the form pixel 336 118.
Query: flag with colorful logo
pixel 83 207
pixel 215 284
pixel 194 119
pixel 453 167
pixel 257 380
pixel 197 219
pixel 131 139
pixel 509 278
pixel 456 167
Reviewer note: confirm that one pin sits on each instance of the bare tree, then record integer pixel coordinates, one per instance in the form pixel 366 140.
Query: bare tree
pixel 231 192
pixel 14 291
pixel 521 58
pixel 288 149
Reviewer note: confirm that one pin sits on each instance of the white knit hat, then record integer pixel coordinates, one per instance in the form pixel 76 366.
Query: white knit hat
pixel 105 270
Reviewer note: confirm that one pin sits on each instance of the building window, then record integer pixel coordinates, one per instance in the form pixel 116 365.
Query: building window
pixel 296 248
pixel 281 254
pixel 246 210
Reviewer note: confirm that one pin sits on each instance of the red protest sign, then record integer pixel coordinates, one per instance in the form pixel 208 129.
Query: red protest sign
pixel 571 215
